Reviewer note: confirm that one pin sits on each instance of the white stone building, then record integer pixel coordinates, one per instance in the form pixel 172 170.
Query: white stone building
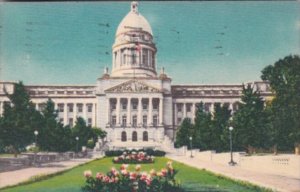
pixel 135 105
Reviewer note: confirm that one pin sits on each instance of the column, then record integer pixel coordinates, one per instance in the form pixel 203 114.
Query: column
pixel 129 111
pixel 108 111
pixel 94 117
pixel 175 113
pixel 65 113
pixel 150 115
pixel 118 111
pixel 193 111
pixel 161 105
pixel 184 110
pixel 139 116
pixel 231 107
pixel 84 109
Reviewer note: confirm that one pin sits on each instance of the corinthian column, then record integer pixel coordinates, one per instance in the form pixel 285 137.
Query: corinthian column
pixel 118 111
pixel 161 111
pixel 129 111
pixel 150 115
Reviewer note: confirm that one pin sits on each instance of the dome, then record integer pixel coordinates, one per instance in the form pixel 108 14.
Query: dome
pixel 134 21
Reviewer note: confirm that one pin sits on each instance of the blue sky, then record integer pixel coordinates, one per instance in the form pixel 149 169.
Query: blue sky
pixel 197 42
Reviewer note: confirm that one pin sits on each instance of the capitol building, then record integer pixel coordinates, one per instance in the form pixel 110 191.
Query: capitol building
pixel 134 102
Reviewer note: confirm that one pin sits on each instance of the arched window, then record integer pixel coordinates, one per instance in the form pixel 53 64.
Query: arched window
pixel 123 136
pixel 145 136
pixel 134 136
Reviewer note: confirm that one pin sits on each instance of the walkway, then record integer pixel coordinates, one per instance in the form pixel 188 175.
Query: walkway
pixel 27 173
pixel 274 182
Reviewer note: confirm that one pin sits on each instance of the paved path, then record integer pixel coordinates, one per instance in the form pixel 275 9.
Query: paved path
pixel 25 174
pixel 274 182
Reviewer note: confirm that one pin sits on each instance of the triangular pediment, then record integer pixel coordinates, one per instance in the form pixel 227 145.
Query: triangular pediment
pixel 133 86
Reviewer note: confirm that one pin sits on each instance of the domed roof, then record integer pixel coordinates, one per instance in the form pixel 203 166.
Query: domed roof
pixel 134 21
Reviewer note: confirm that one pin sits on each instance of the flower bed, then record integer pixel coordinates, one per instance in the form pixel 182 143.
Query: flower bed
pixel 134 158
pixel 124 180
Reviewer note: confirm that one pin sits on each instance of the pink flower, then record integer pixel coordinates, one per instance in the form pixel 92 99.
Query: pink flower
pixel 124 166
pixel 87 173
pixel 124 172
pixel 132 176
pixel 164 172
pixel 99 176
pixel 106 179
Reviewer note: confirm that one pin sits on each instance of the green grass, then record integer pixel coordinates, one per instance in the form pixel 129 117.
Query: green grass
pixel 189 177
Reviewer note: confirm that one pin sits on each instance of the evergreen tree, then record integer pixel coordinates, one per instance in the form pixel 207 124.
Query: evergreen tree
pixel 219 126
pixel 202 128
pixel 19 120
pixel 82 131
pixel 284 78
pixel 250 121
pixel 183 133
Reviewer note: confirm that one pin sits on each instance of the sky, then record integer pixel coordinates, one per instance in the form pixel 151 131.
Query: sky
pixel 220 42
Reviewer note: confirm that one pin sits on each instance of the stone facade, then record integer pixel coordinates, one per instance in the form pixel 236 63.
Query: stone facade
pixel 135 105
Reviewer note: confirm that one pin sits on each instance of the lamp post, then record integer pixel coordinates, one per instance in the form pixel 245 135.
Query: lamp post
pixel 191 146
pixel 35 151
pixel 77 139
pixel 231 162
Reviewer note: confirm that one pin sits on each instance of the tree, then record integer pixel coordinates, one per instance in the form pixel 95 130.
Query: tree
pixel 202 132
pixel 284 78
pixel 219 126
pixel 53 135
pixel 19 120
pixel 250 121
pixel 183 133
pixel 82 131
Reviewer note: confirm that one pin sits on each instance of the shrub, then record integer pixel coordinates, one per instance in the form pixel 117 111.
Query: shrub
pixel 124 180
pixel 134 157
pixel 150 152
pixel 159 153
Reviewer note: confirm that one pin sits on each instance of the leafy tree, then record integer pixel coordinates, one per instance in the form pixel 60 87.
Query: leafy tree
pixel 219 126
pixel 202 128
pixel 54 136
pixel 250 121
pixel 19 120
pixel 183 133
pixel 284 78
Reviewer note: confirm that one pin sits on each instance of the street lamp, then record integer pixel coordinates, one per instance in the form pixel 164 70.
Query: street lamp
pixel 77 139
pixel 231 162
pixel 35 151
pixel 191 146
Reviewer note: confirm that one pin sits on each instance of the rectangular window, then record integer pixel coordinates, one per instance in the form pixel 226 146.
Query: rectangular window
pixel 89 123
pixel 155 106
pixel 90 108
pixel 124 106
pixel 124 121
pixel 178 120
pixel 145 57
pixel 206 107
pixel 134 105
pixel 113 106
pixel 134 121
pixel 71 123
pixel 61 120
pixel 60 107
pixel 145 106
pixel 113 120
pixel 70 108
pixel 188 107
pixel 179 107
pixel 145 120
pixel 79 108
pixel 155 122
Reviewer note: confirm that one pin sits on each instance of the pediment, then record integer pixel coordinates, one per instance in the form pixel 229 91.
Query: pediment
pixel 133 86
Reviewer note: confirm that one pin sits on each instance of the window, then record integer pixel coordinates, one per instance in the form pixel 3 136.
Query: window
pixel 70 108
pixel 145 106
pixel 123 136
pixel 60 107
pixel 124 121
pixel 155 120
pixel 145 57
pixel 113 106
pixel 134 136
pixel 89 122
pixel 133 57
pixel 61 120
pixel 71 123
pixel 178 120
pixel 134 121
pixel 145 120
pixel 179 108
pixel 188 107
pixel 79 108
pixel 206 107
pixel 60 92
pixel 124 106
pixel 90 108
pixel 145 136
pixel 113 120
pixel 134 105
pixel 155 106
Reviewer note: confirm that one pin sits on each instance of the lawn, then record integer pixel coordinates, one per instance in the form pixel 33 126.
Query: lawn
pixel 190 178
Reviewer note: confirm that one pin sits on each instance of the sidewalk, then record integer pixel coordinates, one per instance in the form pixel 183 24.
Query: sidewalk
pixel 274 182
pixel 48 168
